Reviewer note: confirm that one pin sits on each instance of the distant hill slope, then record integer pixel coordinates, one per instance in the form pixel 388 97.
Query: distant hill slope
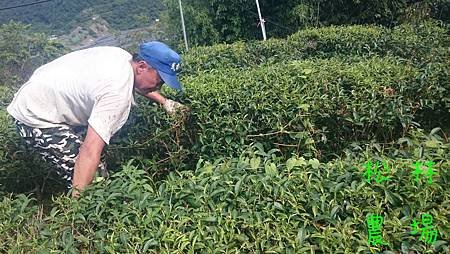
pixel 62 16
pixel 97 32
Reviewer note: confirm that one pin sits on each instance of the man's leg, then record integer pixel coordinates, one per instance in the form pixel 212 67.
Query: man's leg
pixel 59 145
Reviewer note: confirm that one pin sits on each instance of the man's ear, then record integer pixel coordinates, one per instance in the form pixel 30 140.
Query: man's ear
pixel 141 66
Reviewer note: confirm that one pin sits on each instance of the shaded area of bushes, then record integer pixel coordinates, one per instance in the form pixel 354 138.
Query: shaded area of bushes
pixel 22 171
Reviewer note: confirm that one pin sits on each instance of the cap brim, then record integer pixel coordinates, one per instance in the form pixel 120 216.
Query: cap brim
pixel 170 80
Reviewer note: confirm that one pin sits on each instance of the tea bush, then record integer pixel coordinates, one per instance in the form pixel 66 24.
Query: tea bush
pixel 257 202
pixel 413 42
pixel 233 108
pixel 312 107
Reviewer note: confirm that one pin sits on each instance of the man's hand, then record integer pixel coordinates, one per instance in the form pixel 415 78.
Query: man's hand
pixel 171 107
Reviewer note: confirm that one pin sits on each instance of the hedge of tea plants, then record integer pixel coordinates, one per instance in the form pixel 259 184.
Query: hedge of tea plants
pixel 416 43
pixel 313 107
pixel 255 203
pixel 314 101
pixel 268 160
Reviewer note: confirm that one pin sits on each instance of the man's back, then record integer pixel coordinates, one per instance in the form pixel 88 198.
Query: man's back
pixel 66 91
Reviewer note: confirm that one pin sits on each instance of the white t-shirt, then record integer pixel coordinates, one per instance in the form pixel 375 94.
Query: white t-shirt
pixel 91 86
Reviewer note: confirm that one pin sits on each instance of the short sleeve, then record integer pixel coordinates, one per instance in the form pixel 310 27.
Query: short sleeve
pixel 109 114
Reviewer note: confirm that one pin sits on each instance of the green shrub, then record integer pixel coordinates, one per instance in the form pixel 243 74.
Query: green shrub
pixel 413 42
pixel 256 202
pixel 314 107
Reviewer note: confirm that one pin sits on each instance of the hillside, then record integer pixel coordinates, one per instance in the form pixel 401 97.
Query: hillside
pixel 62 17
pixel 98 32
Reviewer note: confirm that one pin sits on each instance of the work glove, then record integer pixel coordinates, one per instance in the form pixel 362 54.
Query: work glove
pixel 171 107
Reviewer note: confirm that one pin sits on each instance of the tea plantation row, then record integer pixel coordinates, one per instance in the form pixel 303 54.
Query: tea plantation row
pixel 255 203
pixel 416 43
pixel 314 107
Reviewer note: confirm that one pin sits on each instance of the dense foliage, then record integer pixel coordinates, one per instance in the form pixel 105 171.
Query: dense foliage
pixel 269 159
pixel 317 106
pixel 416 44
pixel 61 16
pixel 252 204
pixel 209 22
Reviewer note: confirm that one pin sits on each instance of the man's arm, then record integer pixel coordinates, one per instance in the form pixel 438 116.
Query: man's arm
pixel 156 97
pixel 87 161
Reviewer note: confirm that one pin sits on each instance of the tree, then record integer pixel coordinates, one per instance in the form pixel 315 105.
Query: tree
pixel 209 22
pixel 21 51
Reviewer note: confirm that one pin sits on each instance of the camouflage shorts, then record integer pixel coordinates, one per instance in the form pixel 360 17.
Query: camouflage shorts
pixel 58 145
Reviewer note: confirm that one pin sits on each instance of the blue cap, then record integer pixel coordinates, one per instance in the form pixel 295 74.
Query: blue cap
pixel 166 61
